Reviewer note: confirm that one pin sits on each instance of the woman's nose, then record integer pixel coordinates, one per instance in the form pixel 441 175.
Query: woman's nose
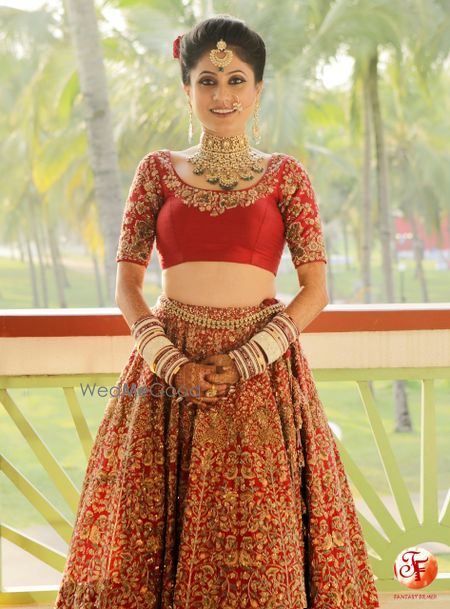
pixel 223 97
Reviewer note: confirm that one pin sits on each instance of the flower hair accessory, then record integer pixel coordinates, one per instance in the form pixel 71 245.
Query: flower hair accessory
pixel 176 46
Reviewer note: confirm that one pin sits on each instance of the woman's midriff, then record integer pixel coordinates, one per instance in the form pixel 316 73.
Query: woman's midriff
pixel 218 284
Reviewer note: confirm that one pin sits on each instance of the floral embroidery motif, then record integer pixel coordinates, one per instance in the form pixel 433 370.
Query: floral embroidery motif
pixel 300 211
pixel 241 505
pixel 139 218
pixel 216 202
pixel 295 198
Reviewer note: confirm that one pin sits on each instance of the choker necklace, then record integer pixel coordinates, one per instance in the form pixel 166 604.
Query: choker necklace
pixel 226 160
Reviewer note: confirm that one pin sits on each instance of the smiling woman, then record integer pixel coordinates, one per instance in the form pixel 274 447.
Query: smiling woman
pixel 223 92
pixel 234 496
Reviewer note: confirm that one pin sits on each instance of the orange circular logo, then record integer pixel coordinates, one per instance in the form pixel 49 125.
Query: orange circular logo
pixel 415 567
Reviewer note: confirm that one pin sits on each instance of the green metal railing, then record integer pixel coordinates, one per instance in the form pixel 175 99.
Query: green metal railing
pixel 432 526
pixel 384 542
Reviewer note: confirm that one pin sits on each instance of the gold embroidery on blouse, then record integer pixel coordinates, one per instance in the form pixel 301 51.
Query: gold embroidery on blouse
pixel 139 217
pixel 216 202
pixel 300 211
pixel 296 201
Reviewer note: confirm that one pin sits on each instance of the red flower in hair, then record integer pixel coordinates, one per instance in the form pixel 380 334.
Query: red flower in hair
pixel 176 46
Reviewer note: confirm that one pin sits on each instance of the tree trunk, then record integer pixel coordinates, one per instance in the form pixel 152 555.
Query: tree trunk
pixel 45 255
pixel 448 236
pixel 402 416
pixel 98 280
pixel 383 199
pixel 62 268
pixel 35 294
pixel 345 242
pixel 103 155
pixel 59 279
pixel 418 255
pixel 367 200
pixel 22 248
pixel 37 240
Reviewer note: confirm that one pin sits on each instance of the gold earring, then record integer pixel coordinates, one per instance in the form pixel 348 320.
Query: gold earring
pixel 255 127
pixel 190 130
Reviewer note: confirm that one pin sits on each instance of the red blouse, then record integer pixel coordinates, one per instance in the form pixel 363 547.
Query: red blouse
pixel 249 225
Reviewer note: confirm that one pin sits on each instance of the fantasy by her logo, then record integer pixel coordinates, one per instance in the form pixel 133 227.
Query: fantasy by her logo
pixel 415 567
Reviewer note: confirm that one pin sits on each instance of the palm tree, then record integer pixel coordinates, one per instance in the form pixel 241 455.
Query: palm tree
pixel 103 154
pixel 26 39
pixel 365 26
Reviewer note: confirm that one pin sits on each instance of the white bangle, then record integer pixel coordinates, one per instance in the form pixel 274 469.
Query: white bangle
pixel 153 347
pixel 269 345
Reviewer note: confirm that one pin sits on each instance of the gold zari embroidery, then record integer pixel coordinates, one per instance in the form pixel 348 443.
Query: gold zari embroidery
pixel 138 228
pixel 216 202
pixel 240 505
pixel 301 217
pixel 291 186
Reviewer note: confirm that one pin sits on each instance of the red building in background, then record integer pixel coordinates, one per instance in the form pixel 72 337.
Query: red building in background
pixel 434 241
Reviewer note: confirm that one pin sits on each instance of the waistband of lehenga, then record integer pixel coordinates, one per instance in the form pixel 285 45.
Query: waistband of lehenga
pixel 220 317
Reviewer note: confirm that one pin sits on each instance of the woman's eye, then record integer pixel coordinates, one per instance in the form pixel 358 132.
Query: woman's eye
pixel 208 80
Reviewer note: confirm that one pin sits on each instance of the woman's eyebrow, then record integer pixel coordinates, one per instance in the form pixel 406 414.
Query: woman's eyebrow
pixel 232 72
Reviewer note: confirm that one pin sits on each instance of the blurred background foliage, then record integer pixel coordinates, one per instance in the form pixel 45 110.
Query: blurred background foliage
pixel 357 90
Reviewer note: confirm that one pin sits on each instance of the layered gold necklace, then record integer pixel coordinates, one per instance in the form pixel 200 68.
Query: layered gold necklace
pixel 225 160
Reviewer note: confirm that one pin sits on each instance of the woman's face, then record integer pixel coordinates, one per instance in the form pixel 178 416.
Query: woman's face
pixel 211 88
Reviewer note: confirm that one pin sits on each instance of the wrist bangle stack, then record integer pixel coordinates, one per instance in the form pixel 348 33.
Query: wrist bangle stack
pixel 249 359
pixel 156 348
pixel 266 346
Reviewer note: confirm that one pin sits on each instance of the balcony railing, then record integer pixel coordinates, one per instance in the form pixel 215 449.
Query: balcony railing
pixel 48 355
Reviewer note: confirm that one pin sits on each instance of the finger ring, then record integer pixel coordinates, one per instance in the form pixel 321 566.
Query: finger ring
pixel 211 392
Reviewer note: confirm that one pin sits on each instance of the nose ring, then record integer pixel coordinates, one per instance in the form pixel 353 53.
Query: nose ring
pixel 237 104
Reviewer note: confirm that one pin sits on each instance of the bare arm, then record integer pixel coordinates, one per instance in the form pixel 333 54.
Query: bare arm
pixel 129 291
pixel 313 296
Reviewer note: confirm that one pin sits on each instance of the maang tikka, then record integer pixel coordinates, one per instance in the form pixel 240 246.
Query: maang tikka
pixel 221 62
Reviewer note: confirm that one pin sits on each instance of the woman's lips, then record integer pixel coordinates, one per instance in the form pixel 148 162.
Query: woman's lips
pixel 223 113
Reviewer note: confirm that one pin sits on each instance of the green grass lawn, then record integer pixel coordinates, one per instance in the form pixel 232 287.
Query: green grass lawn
pixel 345 281
pixel 15 290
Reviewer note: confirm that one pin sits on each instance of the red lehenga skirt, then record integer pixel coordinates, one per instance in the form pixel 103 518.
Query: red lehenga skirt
pixel 241 505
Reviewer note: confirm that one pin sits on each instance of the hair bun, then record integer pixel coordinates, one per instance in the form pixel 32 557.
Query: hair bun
pixel 176 46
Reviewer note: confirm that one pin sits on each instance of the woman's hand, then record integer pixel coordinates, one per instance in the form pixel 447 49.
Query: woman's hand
pixel 191 376
pixel 226 371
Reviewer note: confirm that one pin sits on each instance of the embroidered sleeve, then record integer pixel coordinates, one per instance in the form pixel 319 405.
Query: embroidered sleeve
pixel 138 228
pixel 300 211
